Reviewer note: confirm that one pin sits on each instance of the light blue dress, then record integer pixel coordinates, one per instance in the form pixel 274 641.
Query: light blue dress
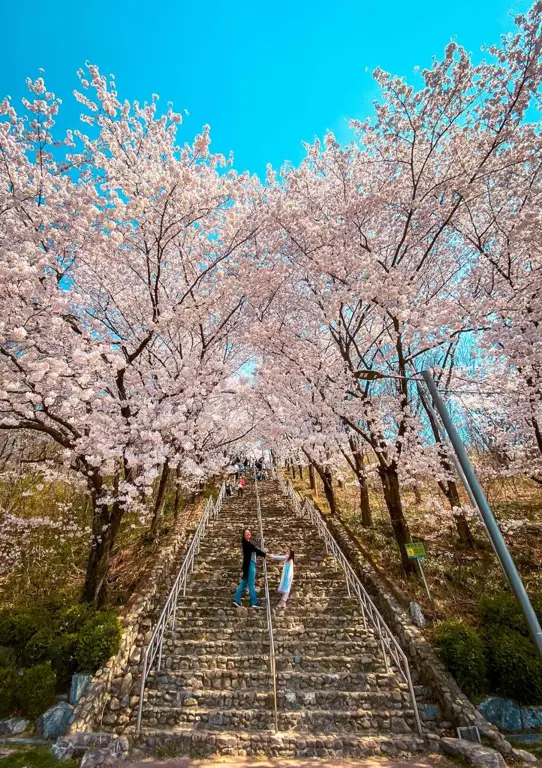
pixel 287 573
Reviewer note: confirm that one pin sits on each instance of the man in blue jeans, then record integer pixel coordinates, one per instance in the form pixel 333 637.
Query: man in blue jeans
pixel 250 552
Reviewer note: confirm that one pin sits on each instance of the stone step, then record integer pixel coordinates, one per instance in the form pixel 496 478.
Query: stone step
pixel 306 720
pixel 281 620
pixel 233 698
pixel 244 679
pixel 204 662
pixel 205 743
pixel 286 648
pixel 189 609
pixel 332 664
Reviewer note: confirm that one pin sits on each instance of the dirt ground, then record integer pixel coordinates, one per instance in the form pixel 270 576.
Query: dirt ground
pixel 428 761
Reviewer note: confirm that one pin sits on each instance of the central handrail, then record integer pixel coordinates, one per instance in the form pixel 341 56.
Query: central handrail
pixel 391 650
pixel 272 660
pixel 169 611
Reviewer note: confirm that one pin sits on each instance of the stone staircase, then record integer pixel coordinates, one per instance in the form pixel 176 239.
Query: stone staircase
pixel 214 692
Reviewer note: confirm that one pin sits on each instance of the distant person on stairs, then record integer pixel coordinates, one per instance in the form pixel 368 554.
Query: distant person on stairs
pixel 287 576
pixel 241 486
pixel 250 551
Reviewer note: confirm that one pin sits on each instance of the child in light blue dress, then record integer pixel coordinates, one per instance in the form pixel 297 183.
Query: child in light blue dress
pixel 287 576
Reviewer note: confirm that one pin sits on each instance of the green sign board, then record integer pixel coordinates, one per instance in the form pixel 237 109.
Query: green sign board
pixel 415 549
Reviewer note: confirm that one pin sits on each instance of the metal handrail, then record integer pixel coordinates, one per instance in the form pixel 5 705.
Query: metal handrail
pixel 169 611
pixel 391 650
pixel 272 660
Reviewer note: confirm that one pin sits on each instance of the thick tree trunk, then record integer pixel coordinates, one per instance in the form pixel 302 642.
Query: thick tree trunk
pixel 449 487
pixel 328 490
pixel 105 526
pixel 359 469
pixel 364 503
pixel 312 478
pixel 300 470
pixel 158 508
pixel 392 496
pixel 177 503
pixel 450 490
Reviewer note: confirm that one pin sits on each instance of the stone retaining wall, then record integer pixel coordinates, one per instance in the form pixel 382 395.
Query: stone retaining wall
pixel 423 659
pixel 116 686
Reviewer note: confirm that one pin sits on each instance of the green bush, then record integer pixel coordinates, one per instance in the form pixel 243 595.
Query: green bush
pixel 37 689
pixel 9 684
pixel 7 657
pixel 17 625
pixel 462 650
pixel 41 647
pixel 72 619
pixel 63 659
pixel 503 611
pixel 99 639
pixel 515 668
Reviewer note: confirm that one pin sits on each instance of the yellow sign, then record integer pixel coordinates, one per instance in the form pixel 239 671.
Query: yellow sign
pixel 415 549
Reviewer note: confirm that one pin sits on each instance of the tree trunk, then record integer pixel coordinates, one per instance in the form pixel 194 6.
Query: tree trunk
pixel 177 503
pixel 312 478
pixel 105 525
pixel 392 496
pixel 449 487
pixel 359 469
pixel 300 470
pixel 450 490
pixel 328 490
pixel 364 503
pixel 417 495
pixel 158 509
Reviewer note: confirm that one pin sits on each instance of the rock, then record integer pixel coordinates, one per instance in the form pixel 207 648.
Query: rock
pixel 55 721
pixel 531 718
pixel 475 754
pixel 126 685
pixel 95 757
pixel 114 704
pixel 63 750
pixel 13 726
pixel 80 683
pixel 416 614
pixel 524 756
pixel 431 712
pixel 120 745
pixel 398 725
pixel 504 713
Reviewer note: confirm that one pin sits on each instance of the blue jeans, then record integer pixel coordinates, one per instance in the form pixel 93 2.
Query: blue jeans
pixel 247 583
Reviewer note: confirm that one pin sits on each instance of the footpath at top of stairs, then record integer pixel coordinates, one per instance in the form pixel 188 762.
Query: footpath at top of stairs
pixel 214 694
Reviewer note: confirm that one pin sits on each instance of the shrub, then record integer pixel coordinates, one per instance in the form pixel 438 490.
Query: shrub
pixel 462 650
pixel 503 610
pixel 7 657
pixel 63 659
pixel 72 619
pixel 41 647
pixel 515 667
pixel 99 639
pixel 17 625
pixel 9 683
pixel 37 689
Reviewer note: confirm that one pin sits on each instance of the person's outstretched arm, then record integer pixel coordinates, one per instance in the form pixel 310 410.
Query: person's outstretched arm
pixel 259 552
pixel 278 557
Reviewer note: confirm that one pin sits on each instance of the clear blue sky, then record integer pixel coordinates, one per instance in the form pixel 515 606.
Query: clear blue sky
pixel 264 75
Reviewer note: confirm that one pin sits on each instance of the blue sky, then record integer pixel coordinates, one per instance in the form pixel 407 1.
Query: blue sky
pixel 264 75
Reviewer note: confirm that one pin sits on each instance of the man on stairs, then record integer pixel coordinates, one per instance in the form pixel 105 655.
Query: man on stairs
pixel 250 551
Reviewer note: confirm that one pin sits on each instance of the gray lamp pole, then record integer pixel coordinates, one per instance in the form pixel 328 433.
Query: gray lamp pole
pixel 492 527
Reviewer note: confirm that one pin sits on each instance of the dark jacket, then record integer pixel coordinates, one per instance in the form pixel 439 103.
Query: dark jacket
pixel 248 549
